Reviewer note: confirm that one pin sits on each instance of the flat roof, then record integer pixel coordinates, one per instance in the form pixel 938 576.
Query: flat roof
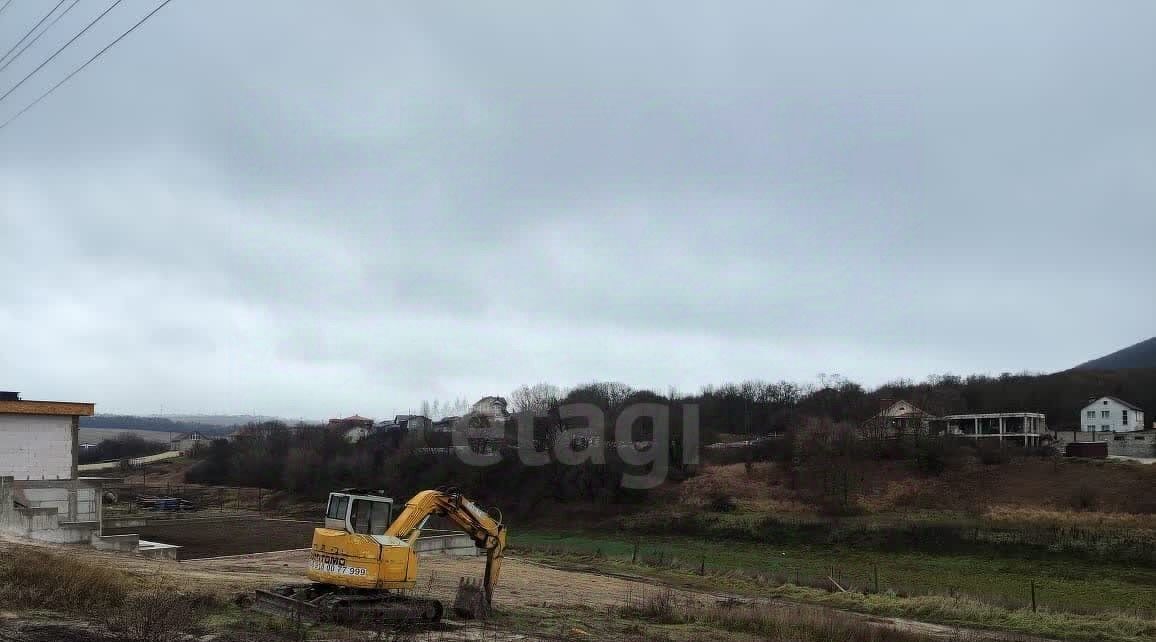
pixel 59 408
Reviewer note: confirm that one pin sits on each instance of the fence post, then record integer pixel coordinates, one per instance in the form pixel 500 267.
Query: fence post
pixel 1033 596
pixel 876 566
pixel 259 499
pixel 702 565
pixel 634 555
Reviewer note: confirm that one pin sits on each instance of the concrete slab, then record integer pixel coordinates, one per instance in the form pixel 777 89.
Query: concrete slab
pixel 157 550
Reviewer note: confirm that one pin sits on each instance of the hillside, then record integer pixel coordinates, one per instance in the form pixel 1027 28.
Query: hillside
pixel 1141 355
pixel 157 424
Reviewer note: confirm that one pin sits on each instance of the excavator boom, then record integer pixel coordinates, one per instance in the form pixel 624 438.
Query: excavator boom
pixel 488 534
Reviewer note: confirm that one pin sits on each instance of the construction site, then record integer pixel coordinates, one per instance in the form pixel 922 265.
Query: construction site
pixel 707 557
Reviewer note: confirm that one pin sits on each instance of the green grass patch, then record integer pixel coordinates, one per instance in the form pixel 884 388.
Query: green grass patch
pixel 1061 585
pixel 1075 600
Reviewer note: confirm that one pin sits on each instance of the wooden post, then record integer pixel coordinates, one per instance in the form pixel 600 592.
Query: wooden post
pixel 1033 596
pixel 634 555
pixel 702 566
pixel 259 499
pixel 797 576
pixel 876 568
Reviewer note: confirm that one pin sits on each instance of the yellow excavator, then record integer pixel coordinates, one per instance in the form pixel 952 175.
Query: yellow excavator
pixel 363 564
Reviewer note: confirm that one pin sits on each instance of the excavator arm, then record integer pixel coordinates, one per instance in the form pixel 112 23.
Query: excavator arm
pixel 487 532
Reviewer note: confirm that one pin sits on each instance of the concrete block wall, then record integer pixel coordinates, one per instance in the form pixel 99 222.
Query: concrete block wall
pixel 454 544
pixel 1121 444
pixel 73 501
pixel 45 523
pixel 47 498
pixel 36 446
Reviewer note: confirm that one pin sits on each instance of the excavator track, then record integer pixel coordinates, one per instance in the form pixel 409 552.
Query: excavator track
pixel 322 603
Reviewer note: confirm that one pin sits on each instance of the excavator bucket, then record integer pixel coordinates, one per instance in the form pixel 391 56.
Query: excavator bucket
pixel 471 603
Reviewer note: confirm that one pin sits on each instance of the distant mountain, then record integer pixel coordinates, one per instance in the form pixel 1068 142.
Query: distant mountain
pixel 1141 355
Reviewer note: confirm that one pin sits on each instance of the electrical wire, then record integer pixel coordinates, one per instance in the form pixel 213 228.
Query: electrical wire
pixel 39 35
pixel 82 67
pixel 5 6
pixel 61 49
pixel 30 31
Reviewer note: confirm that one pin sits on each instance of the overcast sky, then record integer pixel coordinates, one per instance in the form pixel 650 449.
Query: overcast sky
pixel 308 209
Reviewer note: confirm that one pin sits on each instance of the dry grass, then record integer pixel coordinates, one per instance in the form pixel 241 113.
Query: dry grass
pixel 32 578
pixel 127 607
pixel 968 485
pixel 750 491
pixel 772 622
pixel 1067 518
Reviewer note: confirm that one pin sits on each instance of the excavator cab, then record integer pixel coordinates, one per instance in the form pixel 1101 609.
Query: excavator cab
pixel 367 512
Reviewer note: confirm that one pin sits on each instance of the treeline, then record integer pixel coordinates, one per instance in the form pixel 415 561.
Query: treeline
pixel 815 431
pixel 123 446
pixel 311 461
pixel 760 407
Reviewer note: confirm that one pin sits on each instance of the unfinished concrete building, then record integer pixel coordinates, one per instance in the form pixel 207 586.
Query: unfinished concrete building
pixel 41 495
pixel 1019 428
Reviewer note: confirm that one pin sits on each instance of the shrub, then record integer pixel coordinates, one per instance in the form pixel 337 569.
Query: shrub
pixel 660 606
pixel 159 615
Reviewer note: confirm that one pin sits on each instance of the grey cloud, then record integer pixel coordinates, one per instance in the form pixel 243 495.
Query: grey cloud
pixel 307 209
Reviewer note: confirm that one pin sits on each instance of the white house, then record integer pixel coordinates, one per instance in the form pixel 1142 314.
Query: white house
pixel 1109 414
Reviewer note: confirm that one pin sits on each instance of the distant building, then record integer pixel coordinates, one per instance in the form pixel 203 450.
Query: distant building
pixel 1109 414
pixel 1019 428
pixel 405 423
pixel 496 409
pixel 416 423
pixel 898 419
pixel 445 424
pixel 903 418
pixel 188 441
pixel 355 421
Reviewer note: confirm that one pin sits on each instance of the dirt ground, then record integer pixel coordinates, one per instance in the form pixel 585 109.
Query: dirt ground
pixel 201 538
pixel 523 583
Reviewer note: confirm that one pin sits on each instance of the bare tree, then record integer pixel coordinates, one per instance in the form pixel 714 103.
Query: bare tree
pixel 538 398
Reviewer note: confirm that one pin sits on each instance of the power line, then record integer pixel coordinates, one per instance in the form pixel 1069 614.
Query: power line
pixel 62 48
pixel 5 6
pixel 41 34
pixel 86 64
pixel 30 31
